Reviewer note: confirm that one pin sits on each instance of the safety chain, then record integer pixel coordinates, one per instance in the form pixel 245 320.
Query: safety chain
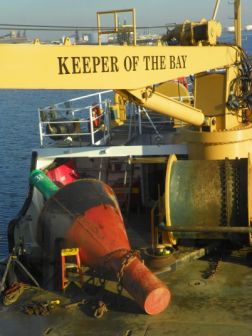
pixel 126 261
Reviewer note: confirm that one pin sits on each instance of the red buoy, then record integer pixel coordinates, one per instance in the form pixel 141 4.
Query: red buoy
pixel 85 214
pixel 100 234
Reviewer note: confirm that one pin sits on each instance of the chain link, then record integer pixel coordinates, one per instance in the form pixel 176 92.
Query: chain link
pixel 126 261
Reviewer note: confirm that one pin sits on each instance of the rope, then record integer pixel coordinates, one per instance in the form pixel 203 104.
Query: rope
pixel 100 310
pixel 12 294
pixel 13 259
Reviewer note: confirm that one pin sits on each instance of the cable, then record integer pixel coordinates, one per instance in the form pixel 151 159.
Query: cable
pixel 240 89
pixel 4 26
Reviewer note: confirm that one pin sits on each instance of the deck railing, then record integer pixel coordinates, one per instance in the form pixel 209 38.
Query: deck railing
pixel 78 121
pixel 86 120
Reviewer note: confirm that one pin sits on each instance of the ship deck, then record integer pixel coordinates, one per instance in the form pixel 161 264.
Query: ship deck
pixel 210 295
pixel 211 285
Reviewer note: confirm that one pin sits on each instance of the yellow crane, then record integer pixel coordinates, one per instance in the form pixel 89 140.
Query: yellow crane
pixel 222 106
pixel 133 71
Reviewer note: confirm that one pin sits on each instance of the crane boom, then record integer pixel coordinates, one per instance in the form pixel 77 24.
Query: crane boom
pixel 40 66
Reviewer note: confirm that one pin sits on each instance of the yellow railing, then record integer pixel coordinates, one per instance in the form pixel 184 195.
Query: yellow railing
pixel 131 28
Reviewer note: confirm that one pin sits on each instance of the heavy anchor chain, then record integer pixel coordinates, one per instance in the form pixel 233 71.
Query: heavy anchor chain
pixel 126 261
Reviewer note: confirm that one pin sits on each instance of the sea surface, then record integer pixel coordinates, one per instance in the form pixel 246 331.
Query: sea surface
pixel 19 134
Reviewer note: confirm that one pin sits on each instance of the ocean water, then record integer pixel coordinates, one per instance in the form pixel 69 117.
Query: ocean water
pixel 19 135
pixel 247 42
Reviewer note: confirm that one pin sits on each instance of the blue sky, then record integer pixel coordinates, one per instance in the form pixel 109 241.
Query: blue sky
pixel 149 13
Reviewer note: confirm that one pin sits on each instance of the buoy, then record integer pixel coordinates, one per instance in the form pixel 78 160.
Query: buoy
pixel 43 183
pixel 103 242
pixel 86 215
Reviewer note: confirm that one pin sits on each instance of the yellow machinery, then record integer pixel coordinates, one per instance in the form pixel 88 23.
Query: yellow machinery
pixel 219 130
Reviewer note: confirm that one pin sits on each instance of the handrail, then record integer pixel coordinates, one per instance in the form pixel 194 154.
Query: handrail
pixel 100 94
pixel 64 121
pixel 72 118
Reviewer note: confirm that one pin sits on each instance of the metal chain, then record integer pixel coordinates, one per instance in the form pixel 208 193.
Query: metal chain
pixel 126 261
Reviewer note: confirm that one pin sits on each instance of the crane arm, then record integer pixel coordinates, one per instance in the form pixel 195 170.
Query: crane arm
pixel 40 66
pixel 167 106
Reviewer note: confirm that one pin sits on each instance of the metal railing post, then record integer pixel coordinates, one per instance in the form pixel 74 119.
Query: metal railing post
pixel 107 118
pixel 40 128
pixel 91 125
pixel 139 120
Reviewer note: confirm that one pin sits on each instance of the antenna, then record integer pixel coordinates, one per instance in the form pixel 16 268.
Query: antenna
pixel 216 7
pixel 237 22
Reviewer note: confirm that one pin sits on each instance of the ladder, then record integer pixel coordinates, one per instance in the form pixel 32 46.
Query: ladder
pixel 71 268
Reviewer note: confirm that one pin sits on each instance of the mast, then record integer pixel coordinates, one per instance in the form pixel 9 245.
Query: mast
pixel 237 22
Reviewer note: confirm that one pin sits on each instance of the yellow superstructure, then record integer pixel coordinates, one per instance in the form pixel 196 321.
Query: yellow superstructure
pixel 220 113
pixel 40 66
